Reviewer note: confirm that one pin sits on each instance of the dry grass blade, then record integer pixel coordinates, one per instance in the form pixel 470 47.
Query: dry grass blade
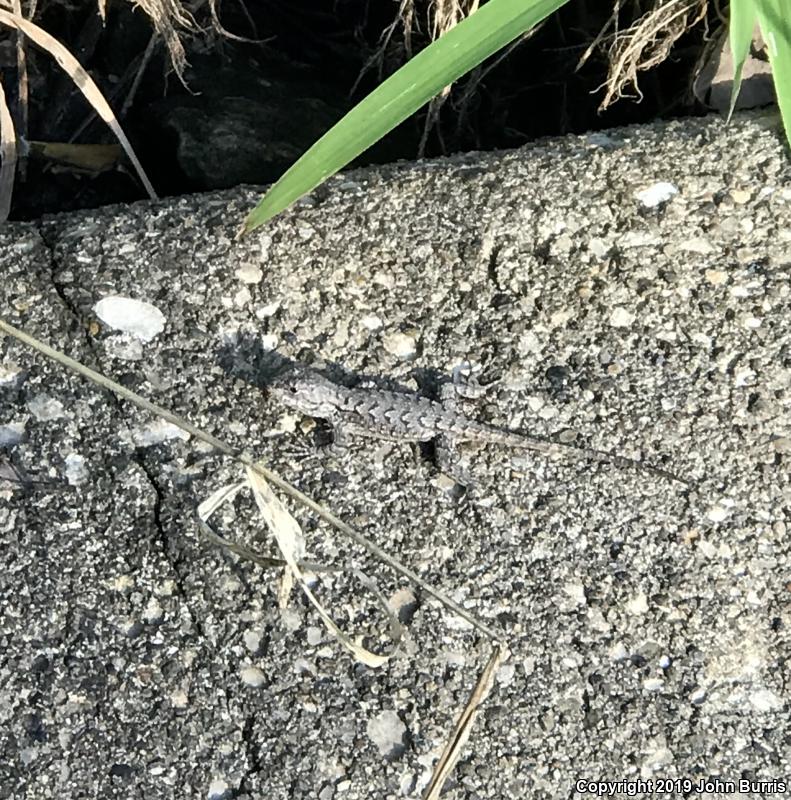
pixel 442 16
pixel 144 61
pixel 21 85
pixel 93 158
pixel 287 533
pixel 446 14
pixel 288 536
pixel 82 81
pixel 461 731
pixel 405 15
pixel 224 495
pixel 7 157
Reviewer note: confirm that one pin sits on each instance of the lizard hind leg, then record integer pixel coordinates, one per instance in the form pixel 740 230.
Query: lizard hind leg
pixel 451 463
pixel 338 443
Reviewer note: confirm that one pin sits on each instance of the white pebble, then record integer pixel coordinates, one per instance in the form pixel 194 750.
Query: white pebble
pixel 716 277
pixel 697 245
pixel 401 345
pixel 268 310
pixel 576 591
pixel 11 434
pixel 621 318
pixel 618 652
pixel 387 731
pixel 45 408
pixel 254 677
pixel 656 194
pixel 76 472
pixel 314 636
pixel 155 433
pixel 252 641
pixel 10 373
pixel 141 319
pixel 179 699
pixel 660 757
pixel 505 675
pixel 371 322
pixel 638 604
pixel 718 513
pixel 697 696
pixel 763 700
pixel 153 612
pixel 249 273
pixel 219 790
pixel 242 297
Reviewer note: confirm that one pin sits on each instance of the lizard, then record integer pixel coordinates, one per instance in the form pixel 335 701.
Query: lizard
pixel 400 417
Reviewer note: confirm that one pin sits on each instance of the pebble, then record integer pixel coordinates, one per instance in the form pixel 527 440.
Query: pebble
pixel 716 277
pixel 697 245
pixel 638 604
pixel 621 318
pixel 11 434
pixel 141 319
pixel 718 513
pixel 249 273
pixel 387 731
pixel 765 701
pixel 401 345
pixel 782 444
pixel 45 408
pixel 656 194
pixel 252 676
pixel 157 432
pixel 219 790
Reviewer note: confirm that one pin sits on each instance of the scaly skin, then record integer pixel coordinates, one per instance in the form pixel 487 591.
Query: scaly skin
pixel 400 417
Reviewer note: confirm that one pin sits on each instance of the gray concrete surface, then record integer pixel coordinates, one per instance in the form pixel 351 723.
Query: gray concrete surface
pixel 649 623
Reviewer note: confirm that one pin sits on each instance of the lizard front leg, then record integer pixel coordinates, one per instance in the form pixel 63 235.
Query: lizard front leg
pixel 328 439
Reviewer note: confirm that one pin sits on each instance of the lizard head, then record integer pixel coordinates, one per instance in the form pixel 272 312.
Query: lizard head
pixel 307 392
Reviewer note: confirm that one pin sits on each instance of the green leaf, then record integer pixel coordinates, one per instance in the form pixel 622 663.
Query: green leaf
pixel 461 49
pixel 740 32
pixel 775 22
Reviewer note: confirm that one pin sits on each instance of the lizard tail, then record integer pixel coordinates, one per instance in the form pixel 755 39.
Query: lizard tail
pixel 600 456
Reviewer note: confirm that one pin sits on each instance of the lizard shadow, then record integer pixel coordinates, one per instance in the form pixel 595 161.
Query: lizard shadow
pixel 246 359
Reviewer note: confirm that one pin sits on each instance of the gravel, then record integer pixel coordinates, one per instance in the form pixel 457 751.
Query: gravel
pixel 627 290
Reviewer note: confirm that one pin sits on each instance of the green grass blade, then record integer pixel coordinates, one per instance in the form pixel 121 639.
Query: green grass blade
pixel 740 33
pixel 462 48
pixel 775 22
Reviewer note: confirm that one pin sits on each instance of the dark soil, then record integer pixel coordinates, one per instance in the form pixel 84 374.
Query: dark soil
pixel 248 110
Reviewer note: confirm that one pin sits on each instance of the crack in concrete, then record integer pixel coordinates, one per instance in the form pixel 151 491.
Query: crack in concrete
pixel 164 542
pixel 50 240
pixel 252 753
